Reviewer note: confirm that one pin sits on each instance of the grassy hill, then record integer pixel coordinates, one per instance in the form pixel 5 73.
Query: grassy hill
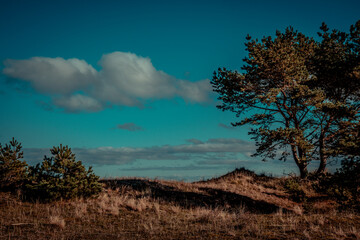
pixel 238 205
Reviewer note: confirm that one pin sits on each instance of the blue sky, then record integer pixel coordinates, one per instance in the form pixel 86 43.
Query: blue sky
pixel 126 84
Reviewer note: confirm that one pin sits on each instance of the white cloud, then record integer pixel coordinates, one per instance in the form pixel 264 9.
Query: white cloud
pixel 136 76
pixel 124 79
pixel 78 102
pixel 194 91
pixel 52 75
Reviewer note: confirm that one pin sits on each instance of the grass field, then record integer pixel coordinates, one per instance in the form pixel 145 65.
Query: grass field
pixel 239 205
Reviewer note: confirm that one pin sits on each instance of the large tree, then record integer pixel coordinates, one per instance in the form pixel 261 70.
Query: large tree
pixel 285 93
pixel 336 67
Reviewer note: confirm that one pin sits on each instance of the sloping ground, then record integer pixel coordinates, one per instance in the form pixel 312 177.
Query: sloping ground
pixel 239 205
pixel 199 196
pixel 238 189
pixel 270 190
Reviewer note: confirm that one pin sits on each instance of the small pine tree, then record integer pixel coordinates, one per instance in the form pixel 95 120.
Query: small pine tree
pixel 13 171
pixel 61 177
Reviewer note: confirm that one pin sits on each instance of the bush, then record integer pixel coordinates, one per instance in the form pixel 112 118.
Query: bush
pixel 13 171
pixel 293 187
pixel 61 177
pixel 344 184
pixel 348 182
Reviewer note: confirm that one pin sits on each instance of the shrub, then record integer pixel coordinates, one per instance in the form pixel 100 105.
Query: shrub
pixel 347 182
pixel 61 177
pixel 350 171
pixel 344 184
pixel 293 187
pixel 13 171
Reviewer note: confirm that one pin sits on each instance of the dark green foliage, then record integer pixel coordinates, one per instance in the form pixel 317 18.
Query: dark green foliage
pixel 350 169
pixel 336 67
pixel 344 184
pixel 13 171
pixel 61 177
pixel 57 177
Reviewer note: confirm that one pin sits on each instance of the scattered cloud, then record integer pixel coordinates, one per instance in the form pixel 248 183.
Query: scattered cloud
pixel 191 167
pixel 78 102
pixel 132 127
pixel 219 149
pixel 222 125
pixel 207 156
pixel 125 79
pixel 231 162
pixel 35 155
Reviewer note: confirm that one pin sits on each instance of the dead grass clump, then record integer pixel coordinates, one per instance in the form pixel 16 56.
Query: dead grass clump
pixel 156 208
pixel 108 203
pixel 57 221
pixel 204 215
pixel 80 208
pixel 111 202
pixel 298 210
pixel 175 209
pixel 133 205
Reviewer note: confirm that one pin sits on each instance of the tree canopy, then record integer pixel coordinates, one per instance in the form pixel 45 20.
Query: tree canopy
pixel 301 96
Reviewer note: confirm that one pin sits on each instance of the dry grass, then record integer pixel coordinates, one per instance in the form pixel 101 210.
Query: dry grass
pixel 57 221
pixel 238 206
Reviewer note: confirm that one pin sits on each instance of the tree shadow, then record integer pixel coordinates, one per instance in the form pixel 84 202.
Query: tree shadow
pixel 209 197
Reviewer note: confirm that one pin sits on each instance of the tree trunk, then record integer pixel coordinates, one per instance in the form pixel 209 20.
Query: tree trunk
pixel 301 165
pixel 323 156
pixel 322 167
pixel 322 148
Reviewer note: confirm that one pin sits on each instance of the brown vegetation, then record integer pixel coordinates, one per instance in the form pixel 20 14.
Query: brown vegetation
pixel 239 205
